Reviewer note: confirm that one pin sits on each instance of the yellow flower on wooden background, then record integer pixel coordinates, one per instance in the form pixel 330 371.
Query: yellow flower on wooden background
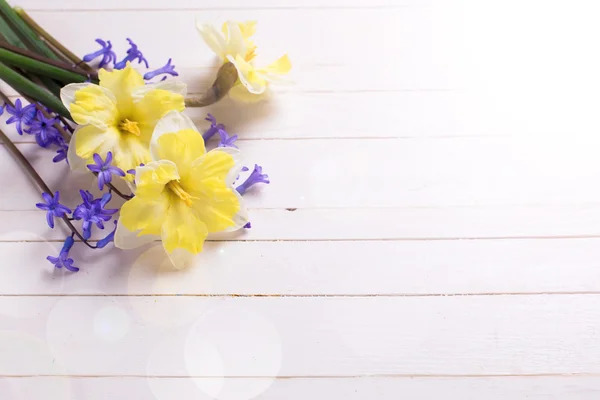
pixel 118 115
pixel 232 44
pixel 183 194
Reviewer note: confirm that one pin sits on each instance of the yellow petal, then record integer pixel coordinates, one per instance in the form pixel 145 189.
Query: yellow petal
pixel 236 44
pixel 145 215
pixel 280 67
pixel 214 201
pixel 94 105
pixel 216 204
pixel 122 83
pixel 131 151
pixel 213 38
pixel 90 139
pixel 169 85
pixel 181 258
pixel 248 75
pixel 240 93
pixel 182 147
pixel 248 28
pixel 126 239
pixel 214 164
pixel 182 229
pixel 153 106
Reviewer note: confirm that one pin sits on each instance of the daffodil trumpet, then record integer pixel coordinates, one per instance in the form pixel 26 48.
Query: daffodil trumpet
pixel 183 194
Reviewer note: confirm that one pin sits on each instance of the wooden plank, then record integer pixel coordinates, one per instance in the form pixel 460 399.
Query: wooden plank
pixel 266 337
pixel 365 388
pixel 390 173
pixel 404 114
pixel 369 224
pixel 293 115
pixel 346 268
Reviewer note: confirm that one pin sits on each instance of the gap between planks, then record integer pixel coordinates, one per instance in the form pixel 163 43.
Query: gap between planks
pixel 283 377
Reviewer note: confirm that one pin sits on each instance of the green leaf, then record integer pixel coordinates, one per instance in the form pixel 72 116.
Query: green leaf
pixel 38 67
pixel 28 88
pixel 28 35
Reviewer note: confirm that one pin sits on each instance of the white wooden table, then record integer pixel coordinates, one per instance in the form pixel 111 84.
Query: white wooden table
pixel 432 230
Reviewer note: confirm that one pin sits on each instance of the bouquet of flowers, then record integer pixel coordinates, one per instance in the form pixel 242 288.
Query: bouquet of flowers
pixel 156 178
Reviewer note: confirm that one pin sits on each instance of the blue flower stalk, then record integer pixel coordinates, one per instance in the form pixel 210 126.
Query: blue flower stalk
pixel 256 176
pixel 104 169
pixel 53 208
pixel 107 53
pixel 20 115
pixel 226 140
pixel 63 259
pixel 133 54
pixel 44 130
pixel 92 211
pixel 61 153
pixel 167 69
pixel 214 127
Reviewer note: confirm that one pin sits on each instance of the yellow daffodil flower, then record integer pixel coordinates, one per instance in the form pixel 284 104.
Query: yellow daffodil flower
pixel 233 45
pixel 119 115
pixel 233 40
pixel 254 81
pixel 183 194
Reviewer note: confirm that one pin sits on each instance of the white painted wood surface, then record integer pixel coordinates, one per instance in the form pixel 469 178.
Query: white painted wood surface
pixel 432 230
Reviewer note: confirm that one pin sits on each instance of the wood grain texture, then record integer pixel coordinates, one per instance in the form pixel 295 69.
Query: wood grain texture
pixel 266 337
pixel 343 268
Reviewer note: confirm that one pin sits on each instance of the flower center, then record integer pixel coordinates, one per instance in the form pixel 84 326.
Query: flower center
pixel 130 127
pixel 250 55
pixel 176 188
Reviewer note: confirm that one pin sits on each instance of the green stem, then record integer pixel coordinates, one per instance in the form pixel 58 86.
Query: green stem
pixel 10 146
pixel 226 78
pixel 9 35
pixel 28 88
pixel 26 33
pixel 24 163
pixel 93 76
pixel 50 39
pixel 38 67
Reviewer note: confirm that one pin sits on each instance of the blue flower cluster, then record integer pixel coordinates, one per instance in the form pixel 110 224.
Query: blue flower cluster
pixel 91 212
pixel 133 54
pixel 31 120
